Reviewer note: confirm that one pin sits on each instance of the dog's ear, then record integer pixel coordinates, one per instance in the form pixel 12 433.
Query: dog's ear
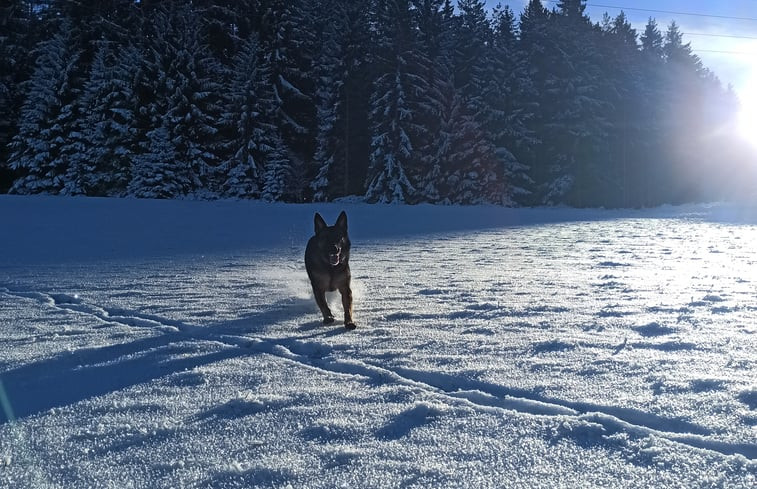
pixel 341 221
pixel 320 224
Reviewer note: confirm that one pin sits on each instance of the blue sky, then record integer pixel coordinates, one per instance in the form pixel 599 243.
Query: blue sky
pixel 739 70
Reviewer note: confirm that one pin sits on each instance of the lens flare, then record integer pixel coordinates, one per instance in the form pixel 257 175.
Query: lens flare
pixel 5 404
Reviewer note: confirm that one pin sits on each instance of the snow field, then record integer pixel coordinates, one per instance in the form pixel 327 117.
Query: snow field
pixel 495 348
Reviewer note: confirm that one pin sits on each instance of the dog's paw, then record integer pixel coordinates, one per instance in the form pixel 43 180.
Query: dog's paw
pixel 350 326
pixel 328 320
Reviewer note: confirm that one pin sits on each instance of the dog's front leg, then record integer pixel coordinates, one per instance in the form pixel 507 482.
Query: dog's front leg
pixel 346 292
pixel 320 299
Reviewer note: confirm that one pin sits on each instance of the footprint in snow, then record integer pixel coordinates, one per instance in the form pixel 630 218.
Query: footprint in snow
pixel 654 329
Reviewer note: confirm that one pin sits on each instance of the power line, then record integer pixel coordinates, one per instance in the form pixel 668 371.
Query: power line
pixel 744 53
pixel 717 35
pixel 695 14
pixel 670 12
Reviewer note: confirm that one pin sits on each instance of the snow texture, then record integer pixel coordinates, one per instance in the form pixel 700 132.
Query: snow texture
pixel 176 344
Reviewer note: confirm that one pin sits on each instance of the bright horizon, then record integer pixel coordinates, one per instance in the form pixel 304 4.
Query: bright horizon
pixel 723 35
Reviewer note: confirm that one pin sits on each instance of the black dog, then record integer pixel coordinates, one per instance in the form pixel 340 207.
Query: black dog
pixel 327 262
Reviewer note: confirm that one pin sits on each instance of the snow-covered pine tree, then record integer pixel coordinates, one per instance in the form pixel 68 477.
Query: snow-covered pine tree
pixel 224 24
pixel 241 171
pixel 476 74
pixel 463 140
pixel 435 40
pixel 562 50
pixel 153 174
pixel 288 35
pixel 239 19
pixel 278 170
pixel 392 113
pixel 194 107
pixel 252 139
pixel 652 185
pixel 579 126
pixel 536 47
pixel 348 173
pixel 472 33
pixel 508 91
pixel 331 74
pixel 438 158
pixel 106 129
pixel 182 92
pixel 46 117
pixel 119 127
pixel 79 168
pixel 621 86
pixel 16 28
pixel 392 148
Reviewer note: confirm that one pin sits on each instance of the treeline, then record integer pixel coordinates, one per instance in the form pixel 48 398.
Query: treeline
pixel 394 100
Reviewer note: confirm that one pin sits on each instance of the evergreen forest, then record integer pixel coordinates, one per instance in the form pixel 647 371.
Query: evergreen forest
pixel 393 101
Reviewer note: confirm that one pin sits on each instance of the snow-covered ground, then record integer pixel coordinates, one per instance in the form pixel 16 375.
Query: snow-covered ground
pixel 176 344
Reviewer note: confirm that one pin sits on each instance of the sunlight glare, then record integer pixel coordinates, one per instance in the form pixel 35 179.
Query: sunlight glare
pixel 747 122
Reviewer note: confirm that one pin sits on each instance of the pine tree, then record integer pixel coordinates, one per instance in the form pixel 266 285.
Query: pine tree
pixel 651 40
pixel 392 148
pixel 252 138
pixel 566 68
pixel 93 23
pixel 278 173
pixel 676 52
pixel 105 136
pixel 288 35
pixel 224 24
pixel 154 174
pixel 194 109
pixel 343 69
pixel 620 86
pixel 433 20
pixel 476 74
pixel 80 168
pixel 535 49
pixel 46 118
pixel 509 112
pixel 329 96
pixel 16 28
pixel 572 9
pixel 392 116
pixel 350 172
pixel 464 141
pixel 182 96
pixel 472 32
pixel 652 182
pixel 683 100
pixel 440 156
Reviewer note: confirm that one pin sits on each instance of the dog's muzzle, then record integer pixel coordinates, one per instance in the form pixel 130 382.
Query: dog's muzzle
pixel 335 258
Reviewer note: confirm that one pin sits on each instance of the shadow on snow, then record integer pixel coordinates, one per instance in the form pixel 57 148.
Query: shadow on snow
pixel 91 372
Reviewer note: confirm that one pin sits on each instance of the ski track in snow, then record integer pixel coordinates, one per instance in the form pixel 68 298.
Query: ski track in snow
pixel 318 355
pixel 612 331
